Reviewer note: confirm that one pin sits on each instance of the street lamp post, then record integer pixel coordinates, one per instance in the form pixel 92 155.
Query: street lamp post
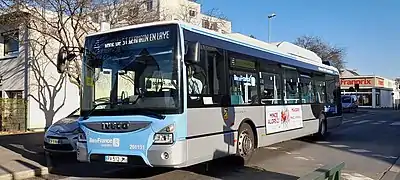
pixel 269 25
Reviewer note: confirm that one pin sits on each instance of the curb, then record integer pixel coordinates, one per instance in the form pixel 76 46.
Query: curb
pixel 25 174
pixel 393 173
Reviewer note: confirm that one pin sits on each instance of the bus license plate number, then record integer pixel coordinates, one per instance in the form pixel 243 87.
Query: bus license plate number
pixel 116 159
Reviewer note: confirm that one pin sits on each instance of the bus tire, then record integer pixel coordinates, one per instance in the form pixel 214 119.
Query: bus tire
pixel 322 130
pixel 245 143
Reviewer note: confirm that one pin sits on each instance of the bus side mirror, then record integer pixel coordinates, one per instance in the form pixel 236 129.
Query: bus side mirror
pixel 192 52
pixel 63 56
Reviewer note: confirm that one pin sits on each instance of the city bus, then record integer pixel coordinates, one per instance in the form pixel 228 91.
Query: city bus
pixel 180 95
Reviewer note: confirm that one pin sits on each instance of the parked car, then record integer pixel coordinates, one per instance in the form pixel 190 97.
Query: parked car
pixel 349 103
pixel 61 137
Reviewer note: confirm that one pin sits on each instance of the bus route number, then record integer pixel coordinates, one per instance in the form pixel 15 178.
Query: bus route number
pixel 136 147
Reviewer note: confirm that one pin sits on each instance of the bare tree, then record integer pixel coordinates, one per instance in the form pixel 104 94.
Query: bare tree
pixel 68 21
pixel 47 86
pixel 323 49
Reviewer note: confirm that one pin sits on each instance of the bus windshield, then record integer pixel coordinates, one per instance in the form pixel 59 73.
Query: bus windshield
pixel 135 69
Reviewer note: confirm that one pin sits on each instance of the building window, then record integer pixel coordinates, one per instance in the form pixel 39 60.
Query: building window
pixel 192 13
pixel 14 94
pixel 205 23
pixel 149 5
pixel 11 42
pixel 214 26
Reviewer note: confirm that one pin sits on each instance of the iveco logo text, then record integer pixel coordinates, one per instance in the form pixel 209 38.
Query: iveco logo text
pixel 114 125
pixel 105 142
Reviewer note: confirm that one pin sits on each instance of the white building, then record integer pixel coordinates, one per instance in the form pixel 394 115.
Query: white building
pixel 157 10
pixel 374 91
pixel 28 75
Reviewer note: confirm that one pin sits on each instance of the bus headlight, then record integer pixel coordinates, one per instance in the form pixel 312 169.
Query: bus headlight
pixel 81 136
pixel 165 136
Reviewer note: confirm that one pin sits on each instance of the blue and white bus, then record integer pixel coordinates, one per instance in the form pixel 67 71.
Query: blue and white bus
pixel 181 95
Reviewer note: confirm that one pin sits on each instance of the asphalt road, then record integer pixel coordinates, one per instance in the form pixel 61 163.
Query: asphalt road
pixel 367 142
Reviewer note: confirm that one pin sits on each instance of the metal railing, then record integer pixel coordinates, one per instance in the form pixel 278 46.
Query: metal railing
pixel 330 172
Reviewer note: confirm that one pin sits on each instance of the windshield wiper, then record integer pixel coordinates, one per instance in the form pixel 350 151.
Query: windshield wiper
pixel 141 111
pixel 151 113
pixel 95 106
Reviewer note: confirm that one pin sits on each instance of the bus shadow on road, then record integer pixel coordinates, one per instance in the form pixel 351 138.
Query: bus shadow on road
pixel 233 167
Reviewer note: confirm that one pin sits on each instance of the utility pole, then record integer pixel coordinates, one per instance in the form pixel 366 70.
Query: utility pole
pixel 269 25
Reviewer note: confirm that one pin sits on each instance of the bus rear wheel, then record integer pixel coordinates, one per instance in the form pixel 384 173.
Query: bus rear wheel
pixel 245 143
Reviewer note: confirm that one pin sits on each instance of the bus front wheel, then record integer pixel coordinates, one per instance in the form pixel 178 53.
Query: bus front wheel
pixel 245 142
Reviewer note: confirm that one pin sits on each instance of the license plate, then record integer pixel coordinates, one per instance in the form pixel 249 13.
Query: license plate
pixel 116 159
pixel 54 141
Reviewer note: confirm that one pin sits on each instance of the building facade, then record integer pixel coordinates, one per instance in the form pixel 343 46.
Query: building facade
pixel 374 91
pixel 33 94
pixel 33 78
pixel 158 10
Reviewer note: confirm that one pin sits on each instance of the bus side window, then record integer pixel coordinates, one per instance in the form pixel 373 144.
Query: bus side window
pixel 320 91
pixel 291 86
pixel 307 89
pixel 206 78
pixel 244 80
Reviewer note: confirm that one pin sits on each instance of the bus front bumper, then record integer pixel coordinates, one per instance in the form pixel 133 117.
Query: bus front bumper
pixel 157 155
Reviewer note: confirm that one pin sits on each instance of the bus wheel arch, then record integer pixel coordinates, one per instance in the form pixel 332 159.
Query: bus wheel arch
pixel 247 140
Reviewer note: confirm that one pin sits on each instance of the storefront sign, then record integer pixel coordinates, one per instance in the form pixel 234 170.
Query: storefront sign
pixel 380 82
pixel 352 82
pixel 365 82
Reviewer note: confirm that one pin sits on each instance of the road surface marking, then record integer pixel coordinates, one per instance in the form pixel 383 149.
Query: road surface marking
pixel 359 150
pixel 355 176
pixel 376 123
pixel 363 121
pixel 272 148
pixel 395 124
pixel 382 156
pixel 347 121
pixel 323 142
pixel 382 121
pixel 301 158
pixel 362 115
pixel 339 146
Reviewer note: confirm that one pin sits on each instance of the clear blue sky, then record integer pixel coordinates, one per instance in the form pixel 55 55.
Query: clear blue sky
pixel 368 29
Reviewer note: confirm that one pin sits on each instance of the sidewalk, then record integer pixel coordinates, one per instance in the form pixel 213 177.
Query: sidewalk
pixel 394 172
pixel 22 156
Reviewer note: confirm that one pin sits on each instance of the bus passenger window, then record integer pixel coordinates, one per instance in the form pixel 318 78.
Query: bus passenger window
pixel 243 88
pixel 320 90
pixel 332 85
pixel 270 88
pixel 291 90
pixel 307 89
pixel 206 79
